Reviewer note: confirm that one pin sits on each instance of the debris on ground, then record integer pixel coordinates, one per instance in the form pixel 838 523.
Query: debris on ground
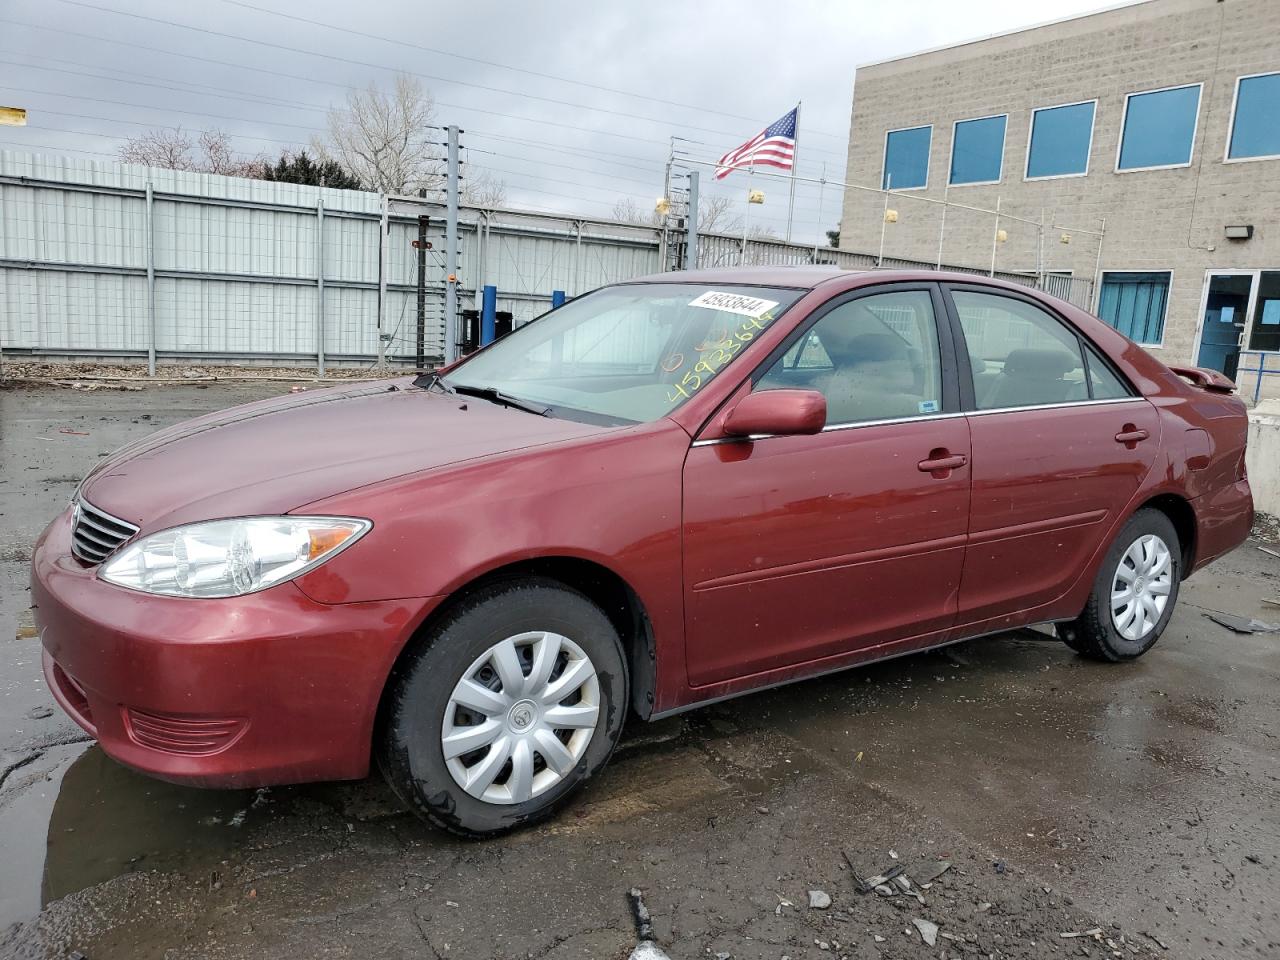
pixel 931 873
pixel 1270 552
pixel 640 914
pixel 928 931
pixel 1092 932
pixel 1242 624
pixel 1000 866
pixel 819 900
pixel 646 949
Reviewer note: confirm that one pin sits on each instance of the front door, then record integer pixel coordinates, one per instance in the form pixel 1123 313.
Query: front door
pixel 1226 308
pixel 1060 445
pixel 801 548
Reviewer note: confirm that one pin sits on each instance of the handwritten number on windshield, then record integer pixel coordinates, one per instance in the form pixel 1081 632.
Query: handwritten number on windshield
pixel 720 352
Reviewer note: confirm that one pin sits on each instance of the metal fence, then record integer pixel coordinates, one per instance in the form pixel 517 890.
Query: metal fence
pixel 107 260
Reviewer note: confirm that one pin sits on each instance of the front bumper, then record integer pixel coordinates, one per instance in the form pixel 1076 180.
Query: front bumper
pixel 249 691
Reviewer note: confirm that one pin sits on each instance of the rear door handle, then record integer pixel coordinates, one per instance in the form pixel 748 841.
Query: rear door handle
pixel 1131 435
pixel 940 463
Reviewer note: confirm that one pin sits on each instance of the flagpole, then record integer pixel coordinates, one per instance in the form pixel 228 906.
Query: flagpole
pixel 751 171
pixel 795 157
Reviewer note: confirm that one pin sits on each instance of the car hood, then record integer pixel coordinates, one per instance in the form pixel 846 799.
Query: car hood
pixel 276 455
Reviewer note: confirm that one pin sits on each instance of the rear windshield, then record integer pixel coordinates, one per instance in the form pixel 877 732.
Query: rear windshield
pixel 625 354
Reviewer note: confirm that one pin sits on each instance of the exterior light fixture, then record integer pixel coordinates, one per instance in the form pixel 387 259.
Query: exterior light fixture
pixel 1002 236
pixel 1065 238
pixel 891 216
pixel 1242 231
pixel 755 196
pixel 662 206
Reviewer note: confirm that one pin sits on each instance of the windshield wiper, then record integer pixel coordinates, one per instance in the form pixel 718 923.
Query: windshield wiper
pixel 494 395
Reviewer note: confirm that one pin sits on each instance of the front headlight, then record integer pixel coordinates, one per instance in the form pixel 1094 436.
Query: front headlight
pixel 229 558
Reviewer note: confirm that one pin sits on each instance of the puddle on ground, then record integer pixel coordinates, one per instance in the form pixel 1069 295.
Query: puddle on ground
pixel 93 820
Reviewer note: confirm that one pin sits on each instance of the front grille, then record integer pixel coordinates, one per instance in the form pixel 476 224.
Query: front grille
pixel 95 535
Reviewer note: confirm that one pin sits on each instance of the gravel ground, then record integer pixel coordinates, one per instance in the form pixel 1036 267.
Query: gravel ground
pixel 1132 804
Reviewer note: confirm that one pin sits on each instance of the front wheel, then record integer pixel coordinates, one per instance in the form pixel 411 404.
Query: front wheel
pixel 1134 594
pixel 505 709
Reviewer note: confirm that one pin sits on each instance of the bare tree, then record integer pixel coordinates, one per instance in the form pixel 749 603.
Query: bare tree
pixel 626 210
pixel 212 152
pixel 167 149
pixel 484 190
pixel 715 215
pixel 385 138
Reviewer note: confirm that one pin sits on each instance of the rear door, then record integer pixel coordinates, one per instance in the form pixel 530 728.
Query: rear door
pixel 800 548
pixel 1060 445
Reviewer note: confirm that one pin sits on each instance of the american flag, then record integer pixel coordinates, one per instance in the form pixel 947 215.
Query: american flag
pixel 774 146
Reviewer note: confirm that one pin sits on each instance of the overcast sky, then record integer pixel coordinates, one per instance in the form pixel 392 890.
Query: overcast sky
pixel 617 79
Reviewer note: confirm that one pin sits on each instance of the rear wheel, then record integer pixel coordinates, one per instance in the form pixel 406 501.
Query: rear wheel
pixel 506 708
pixel 1134 594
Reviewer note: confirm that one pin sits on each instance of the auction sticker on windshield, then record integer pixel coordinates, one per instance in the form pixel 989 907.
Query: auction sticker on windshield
pixel 733 303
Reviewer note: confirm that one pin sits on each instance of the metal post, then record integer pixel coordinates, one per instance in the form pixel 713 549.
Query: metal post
pixel 320 288
pixel 488 314
pixel 795 158
pixel 420 357
pixel 1097 269
pixel 451 254
pixel 746 220
pixel 577 258
pixel 1040 252
pixel 942 228
pixel 149 238
pixel 995 240
pixel 384 226
pixel 691 225
pixel 884 218
pixel 822 184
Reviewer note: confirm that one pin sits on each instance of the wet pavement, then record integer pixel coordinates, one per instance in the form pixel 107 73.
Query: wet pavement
pixel 1138 800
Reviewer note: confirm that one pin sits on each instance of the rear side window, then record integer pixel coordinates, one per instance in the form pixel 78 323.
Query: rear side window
pixel 1104 384
pixel 873 358
pixel 1020 355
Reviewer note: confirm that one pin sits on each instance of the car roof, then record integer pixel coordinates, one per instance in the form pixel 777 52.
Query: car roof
pixel 809 277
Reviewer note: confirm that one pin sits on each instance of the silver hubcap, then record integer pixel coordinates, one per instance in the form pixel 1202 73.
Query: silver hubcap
pixel 521 717
pixel 1140 587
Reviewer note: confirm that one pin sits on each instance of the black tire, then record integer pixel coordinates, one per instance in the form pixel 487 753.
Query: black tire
pixel 1094 634
pixel 410 753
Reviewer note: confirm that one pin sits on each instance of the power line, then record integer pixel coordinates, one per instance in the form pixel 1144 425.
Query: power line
pixel 379 66
pixel 144 106
pixel 503 66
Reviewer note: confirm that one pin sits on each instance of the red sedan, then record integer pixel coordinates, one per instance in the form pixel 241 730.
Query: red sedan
pixel 665 493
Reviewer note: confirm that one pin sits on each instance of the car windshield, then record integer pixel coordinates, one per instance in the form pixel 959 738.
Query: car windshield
pixel 624 354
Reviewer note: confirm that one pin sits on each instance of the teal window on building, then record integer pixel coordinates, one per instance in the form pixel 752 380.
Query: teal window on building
pixel 1159 128
pixel 1061 138
pixel 1135 304
pixel 977 150
pixel 906 158
pixel 1255 124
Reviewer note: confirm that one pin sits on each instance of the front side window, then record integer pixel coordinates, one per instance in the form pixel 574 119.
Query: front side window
pixel 906 158
pixel 625 354
pixel 1159 128
pixel 873 358
pixel 977 151
pixel 1135 303
pixel 1020 356
pixel 1060 141
pixel 1255 126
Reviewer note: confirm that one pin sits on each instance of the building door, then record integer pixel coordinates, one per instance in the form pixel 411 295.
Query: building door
pixel 1226 309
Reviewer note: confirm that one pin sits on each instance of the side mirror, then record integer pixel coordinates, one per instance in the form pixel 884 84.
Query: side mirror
pixel 778 412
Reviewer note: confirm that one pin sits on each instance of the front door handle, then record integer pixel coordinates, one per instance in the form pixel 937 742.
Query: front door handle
pixel 1130 435
pixel 941 462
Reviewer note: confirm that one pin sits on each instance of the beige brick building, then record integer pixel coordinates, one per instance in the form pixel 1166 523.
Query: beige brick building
pixel 1160 118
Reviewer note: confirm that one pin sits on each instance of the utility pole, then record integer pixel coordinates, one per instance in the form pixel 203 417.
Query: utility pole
pixel 451 253
pixel 691 224
pixel 421 245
